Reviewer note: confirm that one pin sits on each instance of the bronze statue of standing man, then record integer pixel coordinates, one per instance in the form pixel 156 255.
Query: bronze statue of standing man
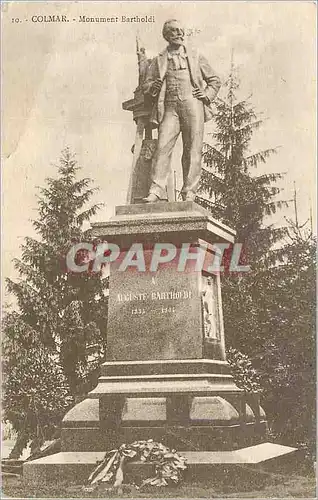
pixel 183 86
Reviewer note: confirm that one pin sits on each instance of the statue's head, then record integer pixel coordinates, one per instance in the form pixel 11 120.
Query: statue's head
pixel 173 32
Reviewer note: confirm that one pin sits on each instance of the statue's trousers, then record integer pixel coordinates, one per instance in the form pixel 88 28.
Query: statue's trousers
pixel 185 116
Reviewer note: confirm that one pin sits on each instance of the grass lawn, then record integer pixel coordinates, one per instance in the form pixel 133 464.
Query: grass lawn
pixel 270 486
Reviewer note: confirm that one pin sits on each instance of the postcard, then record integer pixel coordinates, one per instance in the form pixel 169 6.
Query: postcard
pixel 159 242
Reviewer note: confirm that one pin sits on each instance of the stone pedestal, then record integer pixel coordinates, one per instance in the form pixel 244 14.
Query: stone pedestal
pixel 166 376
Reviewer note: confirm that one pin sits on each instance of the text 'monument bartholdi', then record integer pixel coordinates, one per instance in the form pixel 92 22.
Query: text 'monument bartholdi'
pixel 117 19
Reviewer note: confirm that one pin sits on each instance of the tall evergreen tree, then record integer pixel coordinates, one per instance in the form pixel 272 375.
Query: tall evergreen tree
pixel 269 312
pixel 234 193
pixel 230 186
pixel 68 310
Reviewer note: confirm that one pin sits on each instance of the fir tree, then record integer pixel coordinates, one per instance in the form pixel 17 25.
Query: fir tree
pixel 234 193
pixel 269 313
pixel 68 310
pixel 229 186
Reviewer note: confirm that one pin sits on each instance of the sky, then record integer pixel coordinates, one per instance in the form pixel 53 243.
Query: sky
pixel 64 84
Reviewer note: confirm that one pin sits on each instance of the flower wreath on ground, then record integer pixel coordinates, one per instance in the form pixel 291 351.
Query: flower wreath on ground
pixel 168 465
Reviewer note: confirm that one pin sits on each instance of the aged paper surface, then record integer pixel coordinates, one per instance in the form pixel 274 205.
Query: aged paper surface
pixel 69 66
pixel 64 84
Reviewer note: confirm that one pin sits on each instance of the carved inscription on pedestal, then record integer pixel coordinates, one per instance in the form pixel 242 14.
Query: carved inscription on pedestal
pixel 154 316
pixel 137 300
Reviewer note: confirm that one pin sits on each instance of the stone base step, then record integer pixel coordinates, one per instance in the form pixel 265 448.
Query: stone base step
pixel 11 467
pixel 11 461
pixel 77 466
pixel 10 475
pixel 194 438
pixel 14 469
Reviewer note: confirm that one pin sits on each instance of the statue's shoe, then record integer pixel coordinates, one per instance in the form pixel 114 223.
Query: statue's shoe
pixel 151 198
pixel 189 197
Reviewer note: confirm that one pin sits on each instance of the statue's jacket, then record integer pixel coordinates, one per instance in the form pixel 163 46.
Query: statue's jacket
pixel 203 76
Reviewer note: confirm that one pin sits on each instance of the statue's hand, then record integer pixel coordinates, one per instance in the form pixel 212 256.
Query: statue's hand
pixel 199 94
pixel 156 86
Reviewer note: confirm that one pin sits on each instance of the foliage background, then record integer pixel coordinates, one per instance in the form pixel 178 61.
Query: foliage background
pixel 269 313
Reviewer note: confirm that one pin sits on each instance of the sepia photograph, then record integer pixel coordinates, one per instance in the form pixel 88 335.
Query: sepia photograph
pixel 159 239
